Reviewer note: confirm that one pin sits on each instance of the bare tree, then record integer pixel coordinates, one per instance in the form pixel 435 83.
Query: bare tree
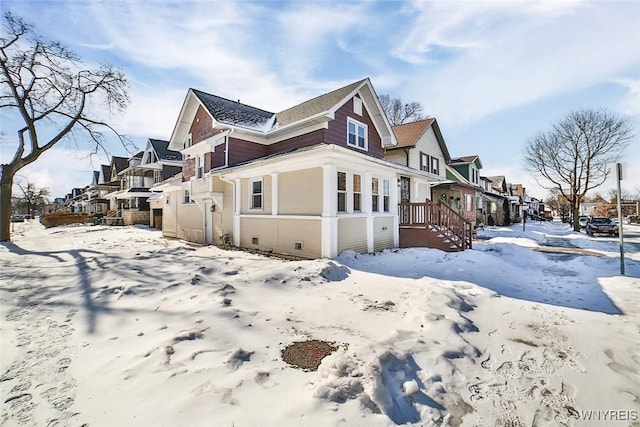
pixel 48 88
pixel 33 197
pixel 577 154
pixel 398 112
pixel 558 203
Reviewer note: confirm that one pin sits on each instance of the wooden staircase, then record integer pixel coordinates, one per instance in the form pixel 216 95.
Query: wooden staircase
pixel 433 225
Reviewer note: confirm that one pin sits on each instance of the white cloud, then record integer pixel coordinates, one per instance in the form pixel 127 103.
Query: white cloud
pixel 630 104
pixel 510 54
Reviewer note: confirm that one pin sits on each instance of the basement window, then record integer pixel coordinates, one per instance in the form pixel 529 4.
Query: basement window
pixel 255 241
pixel 297 246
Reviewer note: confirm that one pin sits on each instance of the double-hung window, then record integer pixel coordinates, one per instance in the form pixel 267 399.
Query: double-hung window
pixel 186 196
pixel 374 195
pixel 357 134
pixel 385 195
pixel 342 192
pixel 357 193
pixel 256 194
pixel 435 165
pixel 424 162
pixel 200 166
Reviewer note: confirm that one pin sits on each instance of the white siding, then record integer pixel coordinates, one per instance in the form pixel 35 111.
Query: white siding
pixel 383 233
pixel 352 234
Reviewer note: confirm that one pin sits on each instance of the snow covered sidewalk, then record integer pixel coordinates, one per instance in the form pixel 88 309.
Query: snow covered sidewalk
pixel 118 326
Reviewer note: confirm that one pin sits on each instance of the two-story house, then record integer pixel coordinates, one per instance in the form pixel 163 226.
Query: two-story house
pixel 310 181
pixel 462 190
pixel 144 170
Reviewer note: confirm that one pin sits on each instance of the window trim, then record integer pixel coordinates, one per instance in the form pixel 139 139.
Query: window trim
pixel 358 124
pixel 339 191
pixel 252 194
pixel 375 194
pixel 386 195
pixel 435 165
pixel 359 193
pixel 186 193
pixel 425 160
pixel 200 166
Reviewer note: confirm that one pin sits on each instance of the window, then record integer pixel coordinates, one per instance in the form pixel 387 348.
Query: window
pixel 342 192
pixel 435 165
pixel 385 195
pixel 157 176
pixel 357 190
pixel 356 134
pixel 256 194
pixel 200 166
pixel 186 196
pixel 474 175
pixel 187 141
pixel 297 246
pixel 374 194
pixel 357 105
pixel 255 241
pixel 468 202
pixel 424 162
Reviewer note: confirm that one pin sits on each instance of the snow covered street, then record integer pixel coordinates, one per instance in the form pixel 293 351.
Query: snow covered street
pixel 106 326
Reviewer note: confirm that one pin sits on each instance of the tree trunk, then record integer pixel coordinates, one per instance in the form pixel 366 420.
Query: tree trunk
pixel 575 215
pixel 6 185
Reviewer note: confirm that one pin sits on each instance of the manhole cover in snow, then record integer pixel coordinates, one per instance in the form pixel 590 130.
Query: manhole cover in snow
pixel 307 354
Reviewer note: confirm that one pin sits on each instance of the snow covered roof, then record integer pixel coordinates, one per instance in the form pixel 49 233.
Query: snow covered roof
pixel 233 112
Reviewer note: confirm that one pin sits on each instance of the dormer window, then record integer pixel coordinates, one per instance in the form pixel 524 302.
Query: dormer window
pixel 357 134
pixel 357 106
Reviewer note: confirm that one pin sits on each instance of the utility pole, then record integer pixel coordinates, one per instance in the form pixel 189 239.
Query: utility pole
pixel 620 234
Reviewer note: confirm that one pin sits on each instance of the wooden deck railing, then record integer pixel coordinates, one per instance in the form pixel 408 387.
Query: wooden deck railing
pixel 437 217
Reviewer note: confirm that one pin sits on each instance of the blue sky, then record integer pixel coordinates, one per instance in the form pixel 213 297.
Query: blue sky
pixel 494 73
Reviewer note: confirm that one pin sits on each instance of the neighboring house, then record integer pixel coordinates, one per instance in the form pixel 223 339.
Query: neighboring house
pixel 462 190
pixel 144 170
pixel 97 192
pixel 420 146
pixel 310 181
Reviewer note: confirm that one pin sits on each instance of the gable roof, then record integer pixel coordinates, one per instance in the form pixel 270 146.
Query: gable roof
pixel 408 134
pixel 120 163
pixel 105 171
pixel 266 125
pixel 161 148
pixel 317 105
pixel 232 112
pixel 465 160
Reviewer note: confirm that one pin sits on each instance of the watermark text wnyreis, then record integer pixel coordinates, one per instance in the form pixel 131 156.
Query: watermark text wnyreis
pixel 609 415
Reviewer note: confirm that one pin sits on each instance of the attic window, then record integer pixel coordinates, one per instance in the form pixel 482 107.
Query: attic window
pixel 357 134
pixel 357 106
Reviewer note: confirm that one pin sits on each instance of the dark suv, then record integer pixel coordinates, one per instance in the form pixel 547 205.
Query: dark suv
pixel 601 225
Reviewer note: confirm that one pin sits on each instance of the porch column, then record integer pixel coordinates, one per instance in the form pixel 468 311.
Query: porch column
pixel 329 220
pixel 367 193
pixel 237 205
pixel 393 209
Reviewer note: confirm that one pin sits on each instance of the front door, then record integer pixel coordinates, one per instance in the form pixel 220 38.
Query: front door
pixel 405 189
pixel 208 223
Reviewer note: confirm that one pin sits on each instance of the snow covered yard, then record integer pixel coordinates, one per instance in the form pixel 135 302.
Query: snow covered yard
pixel 118 326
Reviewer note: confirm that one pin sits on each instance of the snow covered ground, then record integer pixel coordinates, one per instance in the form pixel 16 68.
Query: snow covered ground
pixel 105 326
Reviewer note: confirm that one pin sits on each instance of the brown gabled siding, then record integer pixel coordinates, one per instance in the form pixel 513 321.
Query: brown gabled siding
pixel 216 158
pixel 306 140
pixel 202 126
pixel 242 151
pixel 337 132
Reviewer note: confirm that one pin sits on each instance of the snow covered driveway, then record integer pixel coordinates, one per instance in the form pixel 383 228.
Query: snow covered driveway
pixel 105 326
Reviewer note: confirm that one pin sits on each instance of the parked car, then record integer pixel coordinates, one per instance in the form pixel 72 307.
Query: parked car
pixel 583 220
pixel 601 225
pixel 17 218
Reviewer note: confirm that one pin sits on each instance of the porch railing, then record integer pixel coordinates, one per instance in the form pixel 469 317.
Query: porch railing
pixel 437 217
